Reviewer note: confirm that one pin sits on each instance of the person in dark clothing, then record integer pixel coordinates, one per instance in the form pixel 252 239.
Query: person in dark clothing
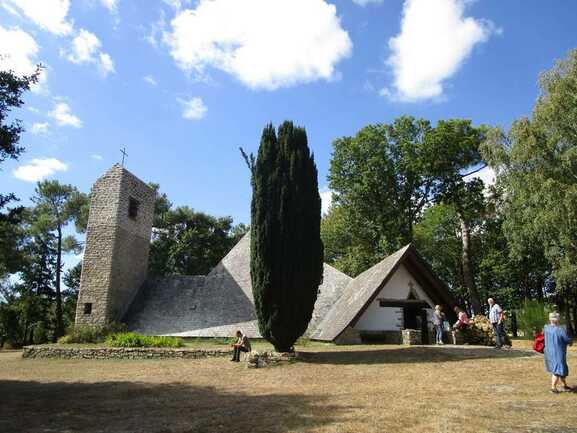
pixel 242 345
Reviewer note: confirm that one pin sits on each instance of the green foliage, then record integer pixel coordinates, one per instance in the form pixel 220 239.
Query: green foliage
pixel 66 339
pixel 39 333
pixel 437 237
pixel 186 242
pixel 84 334
pixel 286 248
pixel 532 316
pixel 538 162
pixel 12 87
pixel 386 175
pixel 132 339
pixel 56 206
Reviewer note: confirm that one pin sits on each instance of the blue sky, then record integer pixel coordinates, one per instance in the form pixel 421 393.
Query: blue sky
pixel 182 84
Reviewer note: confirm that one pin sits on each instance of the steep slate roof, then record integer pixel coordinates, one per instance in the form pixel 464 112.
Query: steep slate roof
pixel 361 291
pixel 192 306
pixel 218 304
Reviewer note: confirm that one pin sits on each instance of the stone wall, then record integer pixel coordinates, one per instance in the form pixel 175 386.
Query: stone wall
pixel 267 359
pixel 412 337
pixel 54 352
pixel 115 259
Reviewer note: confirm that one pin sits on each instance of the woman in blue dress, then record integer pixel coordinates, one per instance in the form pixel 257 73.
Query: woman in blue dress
pixel 556 342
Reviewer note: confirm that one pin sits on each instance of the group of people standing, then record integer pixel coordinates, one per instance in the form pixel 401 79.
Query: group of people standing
pixel 496 317
pixel 439 322
pixel 556 339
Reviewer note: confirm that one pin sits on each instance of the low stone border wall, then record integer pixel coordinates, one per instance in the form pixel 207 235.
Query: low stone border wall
pixel 266 359
pixel 120 353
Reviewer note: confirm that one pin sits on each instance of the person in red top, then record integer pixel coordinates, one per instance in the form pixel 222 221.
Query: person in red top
pixel 462 319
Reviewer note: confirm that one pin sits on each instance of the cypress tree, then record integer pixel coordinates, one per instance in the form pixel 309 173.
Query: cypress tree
pixel 286 247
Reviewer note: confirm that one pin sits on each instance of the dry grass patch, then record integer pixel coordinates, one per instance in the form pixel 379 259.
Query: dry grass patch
pixel 333 389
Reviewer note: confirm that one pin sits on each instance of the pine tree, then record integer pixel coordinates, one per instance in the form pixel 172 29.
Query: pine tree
pixel 286 248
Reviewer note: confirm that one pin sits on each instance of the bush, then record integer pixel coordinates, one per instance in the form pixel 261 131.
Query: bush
pixel 67 339
pixel 303 341
pixel 39 334
pixel 532 317
pixel 132 339
pixel 91 333
pixel 83 334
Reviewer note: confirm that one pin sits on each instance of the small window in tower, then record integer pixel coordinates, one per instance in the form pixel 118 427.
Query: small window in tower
pixel 133 205
pixel 88 308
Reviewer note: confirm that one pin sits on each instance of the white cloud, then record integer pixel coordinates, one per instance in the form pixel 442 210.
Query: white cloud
pixel 265 44
pixel 366 2
pixel 63 116
pixel 434 41
pixel 326 200
pixel 111 5
pixel 156 30
pixel 40 128
pixel 38 169
pixel 176 4
pixel 96 157
pixel 487 175
pixel 18 52
pixel 86 48
pixel 105 64
pixel 193 109
pixel 150 80
pixel 50 15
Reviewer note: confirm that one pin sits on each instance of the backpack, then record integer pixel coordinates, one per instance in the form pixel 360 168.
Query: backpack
pixel 539 343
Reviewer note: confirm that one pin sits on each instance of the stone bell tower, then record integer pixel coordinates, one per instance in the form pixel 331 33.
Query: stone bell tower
pixel 115 259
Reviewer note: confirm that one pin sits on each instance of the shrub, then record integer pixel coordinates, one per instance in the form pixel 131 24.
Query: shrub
pixel 39 334
pixel 83 334
pixel 91 333
pixel 532 316
pixel 132 339
pixel 66 339
pixel 303 341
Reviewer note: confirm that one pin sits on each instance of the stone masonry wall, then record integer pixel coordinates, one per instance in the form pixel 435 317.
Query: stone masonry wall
pixel 131 249
pixel 116 252
pixel 52 352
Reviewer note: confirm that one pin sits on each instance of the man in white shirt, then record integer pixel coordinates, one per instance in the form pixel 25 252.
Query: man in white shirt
pixel 496 319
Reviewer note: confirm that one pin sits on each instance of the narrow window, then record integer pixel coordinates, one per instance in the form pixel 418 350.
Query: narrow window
pixel 133 205
pixel 88 308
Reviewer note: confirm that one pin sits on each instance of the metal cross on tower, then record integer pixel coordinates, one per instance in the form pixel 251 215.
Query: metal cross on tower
pixel 123 151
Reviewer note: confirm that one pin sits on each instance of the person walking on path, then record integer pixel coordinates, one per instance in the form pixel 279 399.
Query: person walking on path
pixel 556 342
pixel 438 322
pixel 496 319
pixel 242 345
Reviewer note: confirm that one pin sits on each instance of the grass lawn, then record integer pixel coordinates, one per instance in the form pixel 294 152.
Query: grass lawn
pixel 332 389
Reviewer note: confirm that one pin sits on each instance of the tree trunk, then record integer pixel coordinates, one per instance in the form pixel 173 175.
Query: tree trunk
pixel 468 275
pixel 59 331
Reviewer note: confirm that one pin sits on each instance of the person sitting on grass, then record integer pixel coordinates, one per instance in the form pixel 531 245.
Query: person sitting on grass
pixel 462 319
pixel 242 345
pixel 556 342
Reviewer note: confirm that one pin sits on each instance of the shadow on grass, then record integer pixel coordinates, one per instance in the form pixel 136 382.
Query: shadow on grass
pixel 133 407
pixel 408 355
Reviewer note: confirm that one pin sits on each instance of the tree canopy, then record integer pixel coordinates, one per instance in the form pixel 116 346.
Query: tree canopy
pixel 286 248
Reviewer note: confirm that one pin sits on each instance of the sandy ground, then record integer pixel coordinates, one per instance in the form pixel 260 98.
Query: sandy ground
pixel 332 389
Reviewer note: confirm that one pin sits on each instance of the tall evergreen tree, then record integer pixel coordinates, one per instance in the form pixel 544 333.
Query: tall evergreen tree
pixel 286 247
